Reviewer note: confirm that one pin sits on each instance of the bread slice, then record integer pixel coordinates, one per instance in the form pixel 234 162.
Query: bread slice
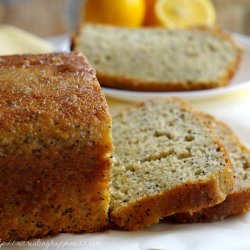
pixel 55 145
pixel 166 161
pixel 155 59
pixel 238 201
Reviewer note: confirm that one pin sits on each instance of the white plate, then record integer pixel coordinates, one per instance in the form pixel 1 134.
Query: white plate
pixel 61 42
pixel 239 81
pixel 231 233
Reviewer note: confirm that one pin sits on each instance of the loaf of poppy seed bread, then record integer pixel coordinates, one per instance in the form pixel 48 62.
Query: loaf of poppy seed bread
pixel 166 161
pixel 149 59
pixel 55 144
pixel 238 201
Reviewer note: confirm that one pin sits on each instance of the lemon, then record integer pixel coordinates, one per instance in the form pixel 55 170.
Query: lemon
pixel 129 13
pixel 174 14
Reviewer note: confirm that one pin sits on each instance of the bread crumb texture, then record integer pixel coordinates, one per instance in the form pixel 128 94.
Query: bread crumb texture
pixel 239 154
pixel 143 59
pixel 238 201
pixel 161 147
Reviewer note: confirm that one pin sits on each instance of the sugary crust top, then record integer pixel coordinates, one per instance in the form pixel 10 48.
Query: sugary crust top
pixel 50 101
pixel 73 61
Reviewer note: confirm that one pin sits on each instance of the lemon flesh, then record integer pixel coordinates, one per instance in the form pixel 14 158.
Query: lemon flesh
pixel 185 13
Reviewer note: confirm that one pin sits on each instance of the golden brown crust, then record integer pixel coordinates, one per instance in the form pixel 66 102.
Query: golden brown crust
pixel 124 83
pixel 55 141
pixel 70 61
pixel 237 202
pixel 139 85
pixel 191 196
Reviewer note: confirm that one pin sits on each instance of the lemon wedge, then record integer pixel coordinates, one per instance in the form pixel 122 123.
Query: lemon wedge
pixel 174 14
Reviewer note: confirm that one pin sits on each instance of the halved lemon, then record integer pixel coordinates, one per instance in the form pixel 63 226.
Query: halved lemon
pixel 174 14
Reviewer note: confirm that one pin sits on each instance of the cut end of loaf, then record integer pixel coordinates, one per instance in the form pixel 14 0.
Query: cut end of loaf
pixel 167 161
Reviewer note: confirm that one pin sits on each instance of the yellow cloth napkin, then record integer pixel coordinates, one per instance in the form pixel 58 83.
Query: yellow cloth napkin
pixel 17 41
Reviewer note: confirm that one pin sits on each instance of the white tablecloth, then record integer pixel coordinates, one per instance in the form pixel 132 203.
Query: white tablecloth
pixel 231 234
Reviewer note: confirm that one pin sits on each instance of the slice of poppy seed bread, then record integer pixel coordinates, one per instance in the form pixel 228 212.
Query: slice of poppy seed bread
pixel 149 59
pixel 166 161
pixel 238 201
